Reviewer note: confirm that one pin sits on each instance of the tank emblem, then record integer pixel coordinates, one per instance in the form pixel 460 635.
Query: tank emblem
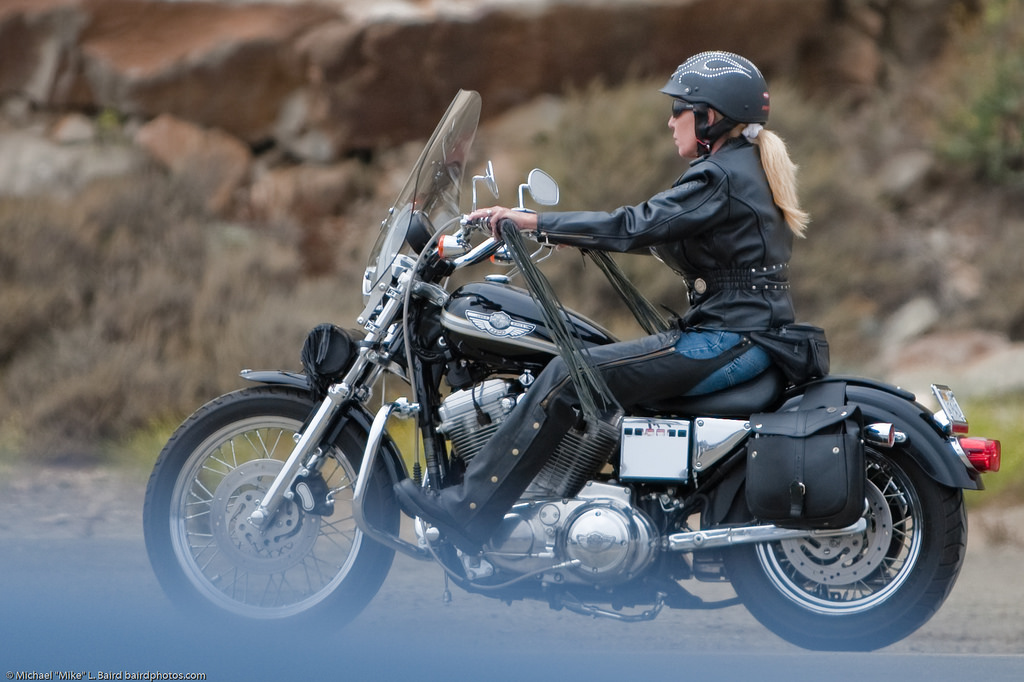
pixel 499 324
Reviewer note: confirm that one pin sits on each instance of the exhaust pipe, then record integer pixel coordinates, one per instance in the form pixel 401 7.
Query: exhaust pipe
pixel 745 535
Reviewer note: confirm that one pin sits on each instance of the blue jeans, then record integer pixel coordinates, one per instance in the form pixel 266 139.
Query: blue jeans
pixel 708 344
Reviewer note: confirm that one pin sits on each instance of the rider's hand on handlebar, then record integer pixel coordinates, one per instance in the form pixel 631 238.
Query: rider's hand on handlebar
pixel 494 215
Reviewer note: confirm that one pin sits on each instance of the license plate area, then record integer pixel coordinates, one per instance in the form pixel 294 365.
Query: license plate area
pixel 951 408
pixel 655 449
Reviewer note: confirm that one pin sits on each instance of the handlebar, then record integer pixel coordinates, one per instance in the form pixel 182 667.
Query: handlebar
pixel 483 251
pixel 489 247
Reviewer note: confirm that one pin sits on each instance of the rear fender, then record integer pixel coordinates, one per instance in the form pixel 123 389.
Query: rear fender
pixel 878 402
pixel 933 452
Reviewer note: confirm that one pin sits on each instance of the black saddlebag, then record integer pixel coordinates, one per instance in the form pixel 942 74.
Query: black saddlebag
pixel 805 467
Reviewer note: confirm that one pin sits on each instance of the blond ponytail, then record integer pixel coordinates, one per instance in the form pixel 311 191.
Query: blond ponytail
pixel 781 173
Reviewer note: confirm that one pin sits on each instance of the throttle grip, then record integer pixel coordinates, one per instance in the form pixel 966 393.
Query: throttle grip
pixel 503 225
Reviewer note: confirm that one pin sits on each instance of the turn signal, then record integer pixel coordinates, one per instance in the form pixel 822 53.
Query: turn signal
pixel 451 246
pixel 985 454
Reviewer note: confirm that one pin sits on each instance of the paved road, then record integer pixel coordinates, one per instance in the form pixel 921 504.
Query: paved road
pixel 78 596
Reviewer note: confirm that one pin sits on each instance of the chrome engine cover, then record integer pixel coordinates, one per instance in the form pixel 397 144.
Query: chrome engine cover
pixel 596 537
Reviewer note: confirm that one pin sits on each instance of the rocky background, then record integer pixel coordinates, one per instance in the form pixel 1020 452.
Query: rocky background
pixel 187 187
pixel 325 78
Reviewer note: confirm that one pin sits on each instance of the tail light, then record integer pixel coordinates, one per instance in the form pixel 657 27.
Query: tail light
pixel 984 453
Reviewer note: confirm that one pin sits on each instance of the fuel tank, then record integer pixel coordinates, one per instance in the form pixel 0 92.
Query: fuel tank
pixel 501 325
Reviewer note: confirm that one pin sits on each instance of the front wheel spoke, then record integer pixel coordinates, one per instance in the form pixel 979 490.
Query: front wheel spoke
pixel 202 487
pixel 320 581
pixel 318 563
pixel 277 441
pixel 192 517
pixel 199 550
pixel 274 591
pixel 232 587
pixel 330 532
pixel 821 590
pixel 856 591
pixel 255 445
pixel 902 537
pixel 890 568
pixel 221 469
pixel 344 484
pixel 268 450
pixel 903 524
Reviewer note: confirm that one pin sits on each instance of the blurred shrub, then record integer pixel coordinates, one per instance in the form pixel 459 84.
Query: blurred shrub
pixel 999 418
pixel 984 121
pixel 127 304
pixel 611 147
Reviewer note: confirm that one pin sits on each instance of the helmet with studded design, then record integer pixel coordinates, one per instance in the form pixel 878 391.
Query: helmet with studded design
pixel 724 81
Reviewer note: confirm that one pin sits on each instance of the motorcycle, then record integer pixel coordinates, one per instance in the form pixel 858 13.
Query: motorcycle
pixel 276 502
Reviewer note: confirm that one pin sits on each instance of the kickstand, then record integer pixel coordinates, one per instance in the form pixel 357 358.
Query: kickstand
pixel 446 596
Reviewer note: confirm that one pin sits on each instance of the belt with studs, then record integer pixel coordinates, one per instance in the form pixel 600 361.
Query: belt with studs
pixel 767 278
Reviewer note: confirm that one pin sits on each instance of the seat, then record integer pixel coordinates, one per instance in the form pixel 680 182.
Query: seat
pixel 757 395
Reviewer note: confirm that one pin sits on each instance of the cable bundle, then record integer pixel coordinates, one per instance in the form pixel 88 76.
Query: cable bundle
pixel 645 313
pixel 596 398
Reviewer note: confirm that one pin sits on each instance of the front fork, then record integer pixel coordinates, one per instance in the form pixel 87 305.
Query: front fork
pixel 364 373
pixel 304 453
pixel 301 456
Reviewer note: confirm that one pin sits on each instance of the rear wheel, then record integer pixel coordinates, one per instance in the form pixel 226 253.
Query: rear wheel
pixel 867 590
pixel 209 478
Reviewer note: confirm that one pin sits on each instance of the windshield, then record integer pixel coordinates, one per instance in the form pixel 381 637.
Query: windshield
pixel 430 198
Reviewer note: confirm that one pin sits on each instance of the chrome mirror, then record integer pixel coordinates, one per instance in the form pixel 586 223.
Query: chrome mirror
pixel 542 186
pixel 488 179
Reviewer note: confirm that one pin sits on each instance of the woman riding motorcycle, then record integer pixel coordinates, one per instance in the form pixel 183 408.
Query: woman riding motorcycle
pixel 726 225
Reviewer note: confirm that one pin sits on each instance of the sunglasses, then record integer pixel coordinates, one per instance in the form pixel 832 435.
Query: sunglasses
pixel 679 106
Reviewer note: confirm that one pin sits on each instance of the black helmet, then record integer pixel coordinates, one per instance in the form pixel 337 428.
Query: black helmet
pixel 725 82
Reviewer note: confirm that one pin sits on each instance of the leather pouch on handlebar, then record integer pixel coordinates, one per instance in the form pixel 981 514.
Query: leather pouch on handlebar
pixel 805 468
pixel 326 355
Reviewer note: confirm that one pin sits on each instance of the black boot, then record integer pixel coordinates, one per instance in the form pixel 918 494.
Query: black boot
pixel 468 514
pixel 435 508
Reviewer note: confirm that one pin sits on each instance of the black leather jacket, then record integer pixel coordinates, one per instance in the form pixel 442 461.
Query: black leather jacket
pixel 717 226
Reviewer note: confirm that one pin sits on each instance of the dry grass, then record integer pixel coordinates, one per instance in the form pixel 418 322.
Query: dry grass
pixel 128 304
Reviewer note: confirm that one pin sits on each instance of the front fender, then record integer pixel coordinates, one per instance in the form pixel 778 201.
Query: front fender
pixel 356 413
pixel 277 377
pixel 932 452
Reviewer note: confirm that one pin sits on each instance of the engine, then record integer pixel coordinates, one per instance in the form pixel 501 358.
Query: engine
pixel 469 418
pixel 567 527
pixel 597 537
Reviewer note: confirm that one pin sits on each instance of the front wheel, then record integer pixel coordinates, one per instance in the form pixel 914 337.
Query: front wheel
pixel 862 591
pixel 302 566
